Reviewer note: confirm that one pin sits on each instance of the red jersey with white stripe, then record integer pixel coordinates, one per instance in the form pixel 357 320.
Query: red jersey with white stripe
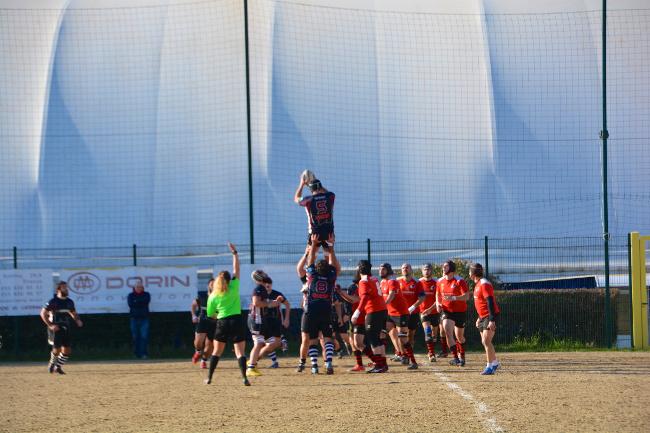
pixel 396 307
pixel 370 294
pixel 429 287
pixel 410 289
pixel 482 291
pixel 453 287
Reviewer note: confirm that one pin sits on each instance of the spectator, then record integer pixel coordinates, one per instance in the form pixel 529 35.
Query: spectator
pixel 139 310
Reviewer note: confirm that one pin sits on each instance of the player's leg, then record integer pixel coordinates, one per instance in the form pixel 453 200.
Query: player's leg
pixel 328 338
pixel 304 344
pixel 394 339
pixel 448 324
pixel 199 345
pixel 375 323
pixel 459 333
pixel 444 344
pixel 412 323
pixel 428 337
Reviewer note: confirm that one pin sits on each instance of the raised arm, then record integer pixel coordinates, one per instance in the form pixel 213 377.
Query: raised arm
pixel 332 256
pixel 298 195
pixel 235 260
pixel 300 267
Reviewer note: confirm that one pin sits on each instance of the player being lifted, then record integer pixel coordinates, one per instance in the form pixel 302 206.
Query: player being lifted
pixel 319 207
pixel 56 315
pixel 321 279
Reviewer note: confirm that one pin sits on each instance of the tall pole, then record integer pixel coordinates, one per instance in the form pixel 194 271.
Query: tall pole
pixel 251 228
pixel 604 135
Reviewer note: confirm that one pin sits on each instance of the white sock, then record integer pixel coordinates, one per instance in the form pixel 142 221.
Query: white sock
pixel 494 363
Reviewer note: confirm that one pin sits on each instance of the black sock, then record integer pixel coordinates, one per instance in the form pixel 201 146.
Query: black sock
pixel 242 366
pixel 214 360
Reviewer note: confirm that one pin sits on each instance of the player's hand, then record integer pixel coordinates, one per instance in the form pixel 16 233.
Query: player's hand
pixel 195 319
pixel 492 326
pixel 331 239
pixel 280 299
pixel 285 323
pixel 355 316
pixel 54 328
pixel 439 308
pixel 232 247
pixel 79 323
pixel 314 240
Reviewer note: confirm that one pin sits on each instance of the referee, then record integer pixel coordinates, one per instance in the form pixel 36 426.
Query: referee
pixel 224 306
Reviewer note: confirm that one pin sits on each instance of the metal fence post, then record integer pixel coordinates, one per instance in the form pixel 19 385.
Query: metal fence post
pixel 368 245
pixel 135 255
pixel 629 286
pixel 486 255
pixel 15 257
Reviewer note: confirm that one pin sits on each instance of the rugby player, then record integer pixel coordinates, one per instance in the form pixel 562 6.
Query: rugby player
pixel 452 294
pixel 320 212
pixel 488 311
pixel 261 302
pixel 429 315
pixel 204 326
pixel 414 295
pixel 56 315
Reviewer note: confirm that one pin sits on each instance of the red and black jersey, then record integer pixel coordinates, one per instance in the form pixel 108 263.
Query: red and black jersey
pixel 320 211
pixel 411 290
pixel 429 287
pixel 397 307
pixel 482 292
pixel 453 287
pixel 370 294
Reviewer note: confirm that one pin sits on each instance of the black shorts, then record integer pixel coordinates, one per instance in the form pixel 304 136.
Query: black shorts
pixel 434 319
pixel 254 328
pixel 323 235
pixel 358 329
pixel 458 318
pixel 413 321
pixel 60 338
pixel 206 326
pixel 314 322
pixel 483 322
pixel 230 329
pixel 272 328
pixel 376 322
pixel 399 321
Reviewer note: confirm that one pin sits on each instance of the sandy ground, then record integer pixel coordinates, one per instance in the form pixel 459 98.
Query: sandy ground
pixel 533 392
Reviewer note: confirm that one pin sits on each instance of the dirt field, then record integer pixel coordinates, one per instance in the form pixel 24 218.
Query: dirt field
pixel 533 392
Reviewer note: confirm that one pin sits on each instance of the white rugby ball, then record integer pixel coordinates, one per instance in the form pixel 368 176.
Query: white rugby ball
pixel 308 176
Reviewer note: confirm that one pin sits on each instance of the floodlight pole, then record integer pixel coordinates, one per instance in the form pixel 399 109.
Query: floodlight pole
pixel 604 135
pixel 251 229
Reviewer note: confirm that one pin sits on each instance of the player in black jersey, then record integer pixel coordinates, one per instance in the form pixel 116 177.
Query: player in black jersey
pixel 204 326
pixel 274 323
pixel 321 279
pixel 259 304
pixel 56 315
pixel 320 212
pixel 340 322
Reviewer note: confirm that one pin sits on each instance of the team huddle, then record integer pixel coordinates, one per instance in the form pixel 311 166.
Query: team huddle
pixel 362 319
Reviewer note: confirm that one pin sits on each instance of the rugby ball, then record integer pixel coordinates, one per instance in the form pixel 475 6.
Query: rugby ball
pixel 308 176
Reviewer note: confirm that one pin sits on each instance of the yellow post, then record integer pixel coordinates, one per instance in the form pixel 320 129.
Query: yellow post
pixel 639 291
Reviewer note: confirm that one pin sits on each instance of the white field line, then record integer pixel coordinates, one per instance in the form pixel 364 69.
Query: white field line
pixel 482 409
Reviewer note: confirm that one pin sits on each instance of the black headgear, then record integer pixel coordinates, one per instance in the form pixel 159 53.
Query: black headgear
pixel 388 268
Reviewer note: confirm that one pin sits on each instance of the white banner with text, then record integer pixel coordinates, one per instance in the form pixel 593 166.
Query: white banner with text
pixel 25 291
pixel 106 290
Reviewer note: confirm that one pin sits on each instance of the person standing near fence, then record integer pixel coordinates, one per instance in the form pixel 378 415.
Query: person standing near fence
pixel 452 295
pixel 488 311
pixel 139 301
pixel 224 305
pixel 56 315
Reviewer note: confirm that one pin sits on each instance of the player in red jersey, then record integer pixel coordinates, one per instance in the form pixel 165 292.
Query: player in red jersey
pixel 398 314
pixel 414 296
pixel 359 329
pixel 374 306
pixel 488 311
pixel 452 294
pixel 429 315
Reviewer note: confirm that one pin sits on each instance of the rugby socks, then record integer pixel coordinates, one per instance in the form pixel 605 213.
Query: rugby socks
pixel 357 357
pixel 53 359
pixel 461 350
pixel 329 352
pixel 409 352
pixel 454 350
pixel 313 355
pixel 273 356
pixel 443 343
pixel 494 363
pixel 431 347
pixel 214 360
pixel 242 366
pixel 62 359
pixel 368 352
